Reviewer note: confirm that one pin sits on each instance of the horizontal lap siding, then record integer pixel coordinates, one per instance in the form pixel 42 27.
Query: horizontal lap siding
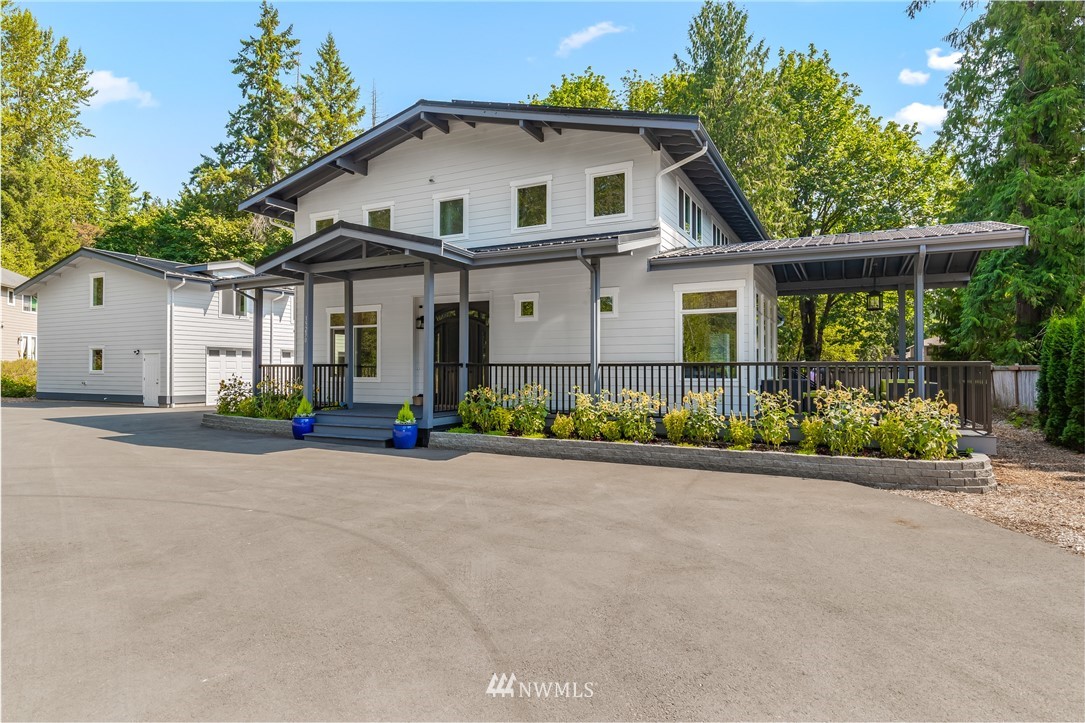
pixel 484 160
pixel 15 322
pixel 672 238
pixel 133 317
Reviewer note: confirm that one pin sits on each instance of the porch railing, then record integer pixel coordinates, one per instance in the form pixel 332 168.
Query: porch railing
pixel 328 381
pixel 967 384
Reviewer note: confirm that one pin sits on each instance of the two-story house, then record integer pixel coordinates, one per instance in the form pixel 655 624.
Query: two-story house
pixel 460 243
pixel 18 319
pixel 115 327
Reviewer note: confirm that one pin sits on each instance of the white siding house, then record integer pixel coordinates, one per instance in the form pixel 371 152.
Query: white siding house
pixel 119 328
pixel 18 319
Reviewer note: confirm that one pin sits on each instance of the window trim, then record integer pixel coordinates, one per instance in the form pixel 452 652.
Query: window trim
pixel 32 307
pixel 90 359
pixel 90 300
pixel 248 305
pixel 736 285
pixel 515 186
pixel 590 174
pixel 357 307
pixel 451 196
pixel 613 292
pixel 518 299
pixel 390 205
pixel 320 216
pixel 11 297
pixel 696 201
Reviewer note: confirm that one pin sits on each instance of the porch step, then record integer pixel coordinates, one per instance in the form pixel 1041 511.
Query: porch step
pixel 373 436
pixel 374 421
pixel 353 441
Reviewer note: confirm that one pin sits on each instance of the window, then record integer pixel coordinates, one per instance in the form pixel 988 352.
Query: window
pixel 322 219
pixel 450 215
pixel 379 216
pixel 719 238
pixel 609 192
pixel 233 303
pixel 366 341
pixel 97 360
pixel 531 204
pixel 608 302
pixel 97 290
pixel 11 297
pixel 689 215
pixel 708 325
pixel 30 303
pixel 286 354
pixel 28 346
pixel 526 307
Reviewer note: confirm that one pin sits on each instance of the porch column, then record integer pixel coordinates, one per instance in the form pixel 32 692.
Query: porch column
pixel 348 342
pixel 427 345
pixel 465 332
pixel 920 333
pixel 307 332
pixel 257 337
pixel 902 323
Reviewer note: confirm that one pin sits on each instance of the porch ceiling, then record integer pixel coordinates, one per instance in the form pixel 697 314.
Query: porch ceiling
pixel 867 261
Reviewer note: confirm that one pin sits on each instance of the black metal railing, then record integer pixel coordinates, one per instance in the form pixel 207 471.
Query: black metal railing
pixel 969 385
pixel 329 381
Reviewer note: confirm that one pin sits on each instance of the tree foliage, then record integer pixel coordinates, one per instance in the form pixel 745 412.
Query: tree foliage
pixel 584 90
pixel 329 97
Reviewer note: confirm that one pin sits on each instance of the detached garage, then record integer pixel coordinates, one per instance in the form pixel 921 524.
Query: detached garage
pixel 115 327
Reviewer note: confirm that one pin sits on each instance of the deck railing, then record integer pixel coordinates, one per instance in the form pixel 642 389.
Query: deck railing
pixel 328 381
pixel 966 384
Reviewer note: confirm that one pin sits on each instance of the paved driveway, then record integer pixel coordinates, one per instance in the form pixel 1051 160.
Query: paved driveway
pixel 156 570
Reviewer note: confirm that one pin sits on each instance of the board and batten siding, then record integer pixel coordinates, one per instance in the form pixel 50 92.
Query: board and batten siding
pixel 132 317
pixel 484 161
pixel 644 329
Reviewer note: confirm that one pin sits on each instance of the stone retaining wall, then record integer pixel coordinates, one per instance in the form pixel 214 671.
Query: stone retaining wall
pixel 960 475
pixel 275 427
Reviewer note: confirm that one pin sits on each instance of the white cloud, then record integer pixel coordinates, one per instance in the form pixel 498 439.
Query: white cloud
pixel 925 116
pixel 936 60
pixel 913 77
pixel 582 37
pixel 112 89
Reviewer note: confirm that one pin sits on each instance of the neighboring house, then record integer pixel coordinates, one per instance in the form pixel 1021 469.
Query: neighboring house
pixel 18 320
pixel 504 243
pixel 120 328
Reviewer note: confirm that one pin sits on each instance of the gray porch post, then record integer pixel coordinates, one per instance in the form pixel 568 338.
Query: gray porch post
pixel 427 345
pixel 920 333
pixel 348 342
pixel 902 323
pixel 465 332
pixel 257 337
pixel 307 331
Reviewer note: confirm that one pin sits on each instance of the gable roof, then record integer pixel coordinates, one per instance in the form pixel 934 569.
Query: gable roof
pixel 10 278
pixel 680 136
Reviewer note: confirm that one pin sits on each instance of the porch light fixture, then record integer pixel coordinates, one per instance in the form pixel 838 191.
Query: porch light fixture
pixel 420 323
pixel 874 301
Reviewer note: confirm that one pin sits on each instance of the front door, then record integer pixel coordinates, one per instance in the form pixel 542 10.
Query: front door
pixel 152 378
pixel 446 340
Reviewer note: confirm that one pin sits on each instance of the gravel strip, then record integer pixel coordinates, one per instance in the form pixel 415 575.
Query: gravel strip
pixel 1041 489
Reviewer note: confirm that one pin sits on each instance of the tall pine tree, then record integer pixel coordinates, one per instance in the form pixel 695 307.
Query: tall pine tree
pixel 329 96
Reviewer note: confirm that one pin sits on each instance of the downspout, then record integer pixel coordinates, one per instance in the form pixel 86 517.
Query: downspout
pixel 593 325
pixel 673 167
pixel 169 344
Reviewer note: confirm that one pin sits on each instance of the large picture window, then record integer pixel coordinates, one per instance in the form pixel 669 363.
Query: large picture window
pixel 366 342
pixel 709 326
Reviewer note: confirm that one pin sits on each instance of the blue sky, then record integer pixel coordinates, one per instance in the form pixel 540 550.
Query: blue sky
pixel 163 69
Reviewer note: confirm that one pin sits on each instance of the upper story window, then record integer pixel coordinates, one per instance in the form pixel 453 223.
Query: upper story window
pixel 379 216
pixel 322 219
pixel 450 215
pixel 30 303
pixel 11 297
pixel 97 290
pixel 689 215
pixel 609 191
pixel 531 204
pixel 719 238
pixel 233 303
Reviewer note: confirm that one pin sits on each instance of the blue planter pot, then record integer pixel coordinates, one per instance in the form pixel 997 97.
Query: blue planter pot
pixel 404 436
pixel 302 426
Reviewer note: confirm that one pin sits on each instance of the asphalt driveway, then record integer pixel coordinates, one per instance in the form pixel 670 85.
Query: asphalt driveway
pixel 156 570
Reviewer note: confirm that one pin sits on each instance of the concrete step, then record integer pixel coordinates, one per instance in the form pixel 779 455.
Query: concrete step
pixel 374 433
pixel 353 441
pixel 355 420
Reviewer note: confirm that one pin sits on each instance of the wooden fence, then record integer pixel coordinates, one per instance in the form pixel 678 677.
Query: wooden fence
pixel 1015 386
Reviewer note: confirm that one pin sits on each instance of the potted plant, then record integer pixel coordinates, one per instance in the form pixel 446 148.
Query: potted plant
pixel 303 419
pixel 405 428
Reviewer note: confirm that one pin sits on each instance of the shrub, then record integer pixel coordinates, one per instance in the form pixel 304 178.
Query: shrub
pixel 248 407
pixel 812 430
pixel 563 427
pixel 1054 372
pixel 775 417
pixel 740 432
pixel 927 428
pixel 305 408
pixel 232 392
pixel 848 417
pixel 704 423
pixel 611 431
pixel 500 421
pixel 891 435
pixel 1073 434
pixel 589 413
pixel 674 422
pixel 477 408
pixel 461 430
pixel 19 378
pixel 405 415
pixel 635 415
pixel 529 409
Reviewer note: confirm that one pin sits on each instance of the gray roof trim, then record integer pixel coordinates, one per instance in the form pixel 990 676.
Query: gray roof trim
pixel 267 282
pixel 159 268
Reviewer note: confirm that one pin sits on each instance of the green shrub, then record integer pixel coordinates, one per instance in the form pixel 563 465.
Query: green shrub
pixel 248 407
pixel 529 409
pixel 740 432
pixel 891 435
pixel 461 430
pixel 305 408
pixel 1073 434
pixel 848 417
pixel 929 427
pixel 232 392
pixel 704 423
pixel 611 431
pixel 636 415
pixel 500 420
pixel 563 427
pixel 19 378
pixel 775 417
pixel 674 422
pixel 812 430
pixel 405 415
pixel 1055 355
pixel 478 406
pixel 589 413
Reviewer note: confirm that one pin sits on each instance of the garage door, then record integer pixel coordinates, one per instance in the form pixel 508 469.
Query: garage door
pixel 223 364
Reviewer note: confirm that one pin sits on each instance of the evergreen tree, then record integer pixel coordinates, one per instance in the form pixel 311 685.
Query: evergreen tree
pixel 117 197
pixel 1073 433
pixel 1057 346
pixel 329 99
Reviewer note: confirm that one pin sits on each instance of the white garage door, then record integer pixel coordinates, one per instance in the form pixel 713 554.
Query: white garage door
pixel 223 364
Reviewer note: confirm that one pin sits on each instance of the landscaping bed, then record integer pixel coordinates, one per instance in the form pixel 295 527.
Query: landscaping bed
pixel 238 423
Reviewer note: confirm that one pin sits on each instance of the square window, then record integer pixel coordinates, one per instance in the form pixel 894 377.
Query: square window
pixel 526 307
pixel 97 290
pixel 30 303
pixel 450 217
pixel 608 302
pixel 609 192
pixel 379 218
pixel 233 303
pixel 97 359
pixel 531 204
